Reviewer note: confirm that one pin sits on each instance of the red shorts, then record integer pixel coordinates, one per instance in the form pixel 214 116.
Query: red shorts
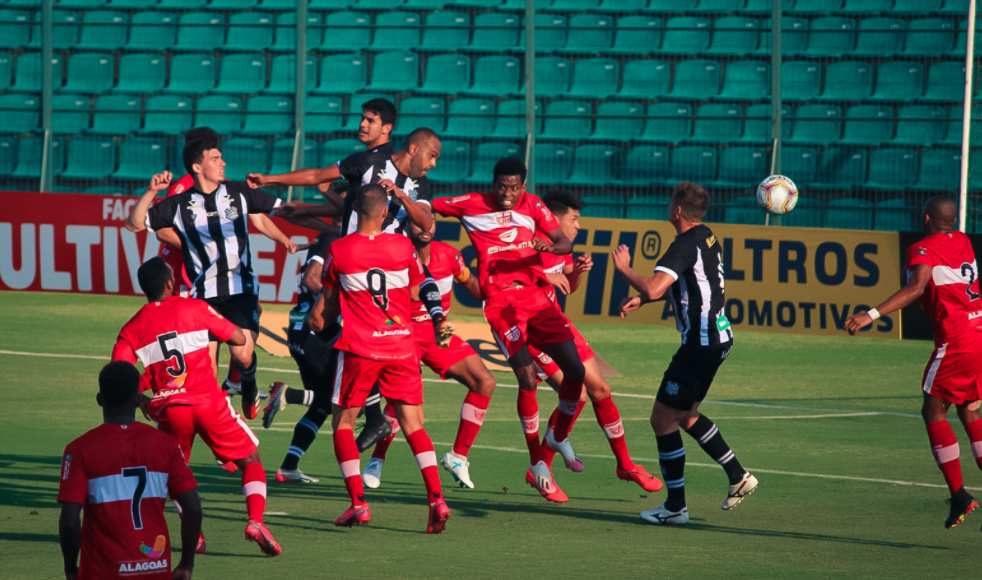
pixel 549 366
pixel 398 380
pixel 521 317
pixel 216 422
pixel 440 360
pixel 954 372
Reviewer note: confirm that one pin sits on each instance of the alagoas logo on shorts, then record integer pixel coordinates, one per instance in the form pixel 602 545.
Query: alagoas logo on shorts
pixel 503 218
pixel 513 334
pixel 672 388
pixel 508 236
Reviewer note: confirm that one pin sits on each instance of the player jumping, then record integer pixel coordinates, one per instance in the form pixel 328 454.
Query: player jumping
pixel 943 277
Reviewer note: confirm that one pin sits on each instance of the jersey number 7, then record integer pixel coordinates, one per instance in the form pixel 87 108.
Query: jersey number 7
pixel 140 473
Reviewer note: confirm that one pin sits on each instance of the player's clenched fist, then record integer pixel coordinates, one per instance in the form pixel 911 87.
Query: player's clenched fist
pixel 583 263
pixel 858 321
pixel 256 180
pixel 630 305
pixel 160 181
pixel 541 245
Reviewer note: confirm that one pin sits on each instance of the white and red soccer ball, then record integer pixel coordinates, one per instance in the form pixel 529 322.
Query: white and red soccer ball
pixel 777 195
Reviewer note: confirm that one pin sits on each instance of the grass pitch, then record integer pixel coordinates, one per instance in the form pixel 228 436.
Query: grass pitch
pixel 848 487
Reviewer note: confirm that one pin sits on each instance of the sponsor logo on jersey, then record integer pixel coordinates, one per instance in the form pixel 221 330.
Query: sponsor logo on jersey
pixel 513 334
pixel 503 218
pixel 226 198
pixel 496 249
pixel 710 241
pixel 158 548
pixel 193 205
pixel 971 316
pixel 384 333
pixel 459 198
pixel 135 568
pixel 232 214
pixel 672 388
pixel 508 236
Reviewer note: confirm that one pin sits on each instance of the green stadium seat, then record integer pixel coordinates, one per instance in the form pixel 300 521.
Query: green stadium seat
pixel 765 6
pixel 117 115
pixel 953 134
pixel 799 163
pixel 568 120
pixel 495 32
pixel 619 121
pixel 8 155
pixel 243 156
pixel 840 168
pixel 945 82
pixel 574 5
pixel 283 156
pixel 349 31
pixel 589 34
pixel 283 75
pixel 553 162
pixel 817 6
pixel 721 6
pixel 69 114
pixel 696 79
pixel 671 6
pixel 867 125
pixel 717 123
pixel 30 153
pixel 470 117
pixel 496 75
pixel 595 165
pixel 181 4
pixel 959 7
pixel 686 35
pixel 961 39
pixel 103 30
pixel 242 74
pixel 552 76
pixel 849 214
pixel 285 32
pixel 343 74
pixel 141 73
pixel 742 167
pixel 454 165
pixel 550 33
pixel 594 78
pixel 645 79
pixel 202 31
pixel 746 80
pixel 337 149
pixel 894 215
pixel 794 36
pixel 232 4
pixel 90 73
pixel 167 115
pixel 831 36
pixel 916 7
pixel 447 74
pixel 848 81
pixel 757 125
pixel 648 206
pixel 90 158
pixel 511 119
pixel 475 3
pixel 152 31
pixel 668 122
pixel 636 35
pixel 426 4
pixel 486 155
pixel 445 31
pixel 268 115
pixel 880 37
pixel 64 29
pixel 25 3
pixel 646 165
pixel 603 206
pixel 248 31
pixel 899 81
pixel 322 115
pixel 734 36
pixel 807 213
pixel 378 4
pixel 860 7
pixel 15 28
pixel 141 157
pixel 21 113
pixel 106 190
pixel 744 210
pixel 696 163
pixel 395 31
pixel 416 112
pixel 940 170
pixel 6 71
pixel 818 124
pixel 394 71
pixel 354 108
pixel 221 113
pixel 929 37
pixel 622 6
pixel 63 189
pixel 892 169
pixel 328 5
pixel 974 173
pixel 920 125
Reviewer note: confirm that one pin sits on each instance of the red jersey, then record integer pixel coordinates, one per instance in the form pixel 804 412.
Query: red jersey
pixel 446 263
pixel 171 340
pixel 503 239
pixel 374 275
pixel 952 297
pixel 553 264
pixel 122 475
pixel 173 256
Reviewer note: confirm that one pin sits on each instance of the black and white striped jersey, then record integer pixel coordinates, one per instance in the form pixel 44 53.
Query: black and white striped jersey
pixel 694 261
pixel 305 297
pixel 371 167
pixel 214 232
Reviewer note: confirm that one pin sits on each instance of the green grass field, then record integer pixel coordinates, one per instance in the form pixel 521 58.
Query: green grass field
pixel 848 488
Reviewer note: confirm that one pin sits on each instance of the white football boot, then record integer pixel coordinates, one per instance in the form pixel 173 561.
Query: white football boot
pixel 372 476
pixel 739 491
pixel 661 516
pixel 457 466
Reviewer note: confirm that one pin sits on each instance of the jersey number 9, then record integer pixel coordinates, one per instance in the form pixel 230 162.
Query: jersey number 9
pixel 376 285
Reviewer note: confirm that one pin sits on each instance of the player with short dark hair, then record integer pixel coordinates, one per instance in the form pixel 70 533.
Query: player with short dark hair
pixel 943 277
pixel 690 274
pixel 120 474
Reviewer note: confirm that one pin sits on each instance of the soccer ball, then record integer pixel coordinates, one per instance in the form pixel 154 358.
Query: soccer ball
pixel 777 195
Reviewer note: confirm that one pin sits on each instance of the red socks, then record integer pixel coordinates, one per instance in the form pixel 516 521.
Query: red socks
pixel 610 420
pixel 569 400
pixel 349 461
pixel 422 448
pixel 528 412
pixel 944 446
pixel 472 414
pixel 254 488
pixel 382 447
pixel 233 375
pixel 974 430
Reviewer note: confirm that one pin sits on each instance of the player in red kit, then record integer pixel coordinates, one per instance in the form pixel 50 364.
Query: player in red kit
pixel 943 277
pixel 370 278
pixel 457 361
pixel 120 474
pixel 170 336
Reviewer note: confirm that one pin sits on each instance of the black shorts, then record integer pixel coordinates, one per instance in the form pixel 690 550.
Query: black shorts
pixel 690 374
pixel 316 360
pixel 241 310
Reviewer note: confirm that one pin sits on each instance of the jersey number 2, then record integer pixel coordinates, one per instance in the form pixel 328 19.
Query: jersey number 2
pixel 376 285
pixel 969 270
pixel 140 473
pixel 172 353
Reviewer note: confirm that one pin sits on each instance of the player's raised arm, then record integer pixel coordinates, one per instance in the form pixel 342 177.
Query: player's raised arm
pixel 560 243
pixel 420 212
pixel 309 177
pixel 649 289
pixel 136 221
pixel 920 275
pixel 574 271
pixel 266 227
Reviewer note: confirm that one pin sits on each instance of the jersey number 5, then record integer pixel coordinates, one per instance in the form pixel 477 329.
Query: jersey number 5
pixel 376 285
pixel 172 353
pixel 140 473
pixel 969 270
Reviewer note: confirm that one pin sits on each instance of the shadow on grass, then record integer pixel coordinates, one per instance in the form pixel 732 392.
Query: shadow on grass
pixel 808 537
pixel 22 537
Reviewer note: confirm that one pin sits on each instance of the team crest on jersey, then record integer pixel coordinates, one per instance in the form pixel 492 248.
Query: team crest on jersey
pixel 503 218
pixel 232 214
pixel 513 334
pixel 672 388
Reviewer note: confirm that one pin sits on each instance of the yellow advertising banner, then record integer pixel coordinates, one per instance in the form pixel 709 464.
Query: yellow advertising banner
pixel 786 280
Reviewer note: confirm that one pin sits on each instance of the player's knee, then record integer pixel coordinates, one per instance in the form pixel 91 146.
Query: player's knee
pixel 576 371
pixel 597 390
pixel 486 384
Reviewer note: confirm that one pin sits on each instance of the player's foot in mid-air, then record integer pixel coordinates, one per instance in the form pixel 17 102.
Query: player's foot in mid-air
pixel 233 389
pixel 372 434
pixel 436 522
pixel 251 410
pixel 372 476
pixel 564 448
pixel 259 533
pixel 294 476
pixel 458 466
pixel 202 545
pixel 660 516
pixel 443 329
pixel 539 477
pixel 277 402
pixel 960 507
pixel 354 516
pixel 640 476
pixel 740 490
